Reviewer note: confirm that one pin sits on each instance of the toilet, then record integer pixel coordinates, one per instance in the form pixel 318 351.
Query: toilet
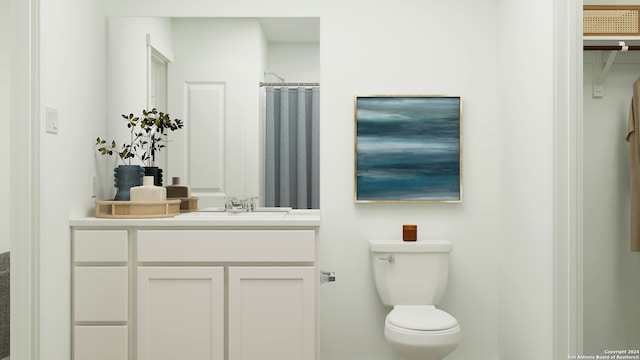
pixel 411 277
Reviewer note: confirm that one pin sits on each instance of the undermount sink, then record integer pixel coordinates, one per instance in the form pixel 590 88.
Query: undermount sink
pixel 271 212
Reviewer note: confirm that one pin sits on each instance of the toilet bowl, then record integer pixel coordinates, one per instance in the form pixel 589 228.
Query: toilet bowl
pixel 421 332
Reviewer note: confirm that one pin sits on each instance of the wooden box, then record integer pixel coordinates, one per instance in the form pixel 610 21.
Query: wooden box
pixel 189 204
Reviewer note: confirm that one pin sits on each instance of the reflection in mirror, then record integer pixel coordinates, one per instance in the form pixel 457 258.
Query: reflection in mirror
pixel 292 146
pixel 157 81
pixel 210 72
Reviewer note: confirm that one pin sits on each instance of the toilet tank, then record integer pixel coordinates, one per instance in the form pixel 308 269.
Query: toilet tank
pixel 411 272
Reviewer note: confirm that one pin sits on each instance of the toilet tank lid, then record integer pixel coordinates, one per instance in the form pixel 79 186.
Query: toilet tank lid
pixel 410 246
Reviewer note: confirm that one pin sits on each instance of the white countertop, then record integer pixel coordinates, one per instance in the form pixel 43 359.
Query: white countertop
pixel 293 219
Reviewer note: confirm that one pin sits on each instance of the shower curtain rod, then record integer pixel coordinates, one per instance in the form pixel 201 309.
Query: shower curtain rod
pixel 289 84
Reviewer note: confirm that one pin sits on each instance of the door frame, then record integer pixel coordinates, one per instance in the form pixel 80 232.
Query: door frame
pixel 567 295
pixel 24 178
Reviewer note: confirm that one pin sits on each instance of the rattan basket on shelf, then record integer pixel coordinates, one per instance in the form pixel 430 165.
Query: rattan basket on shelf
pixel 611 20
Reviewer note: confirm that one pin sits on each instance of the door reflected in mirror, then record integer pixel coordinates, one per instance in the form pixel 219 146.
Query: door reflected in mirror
pixel 209 72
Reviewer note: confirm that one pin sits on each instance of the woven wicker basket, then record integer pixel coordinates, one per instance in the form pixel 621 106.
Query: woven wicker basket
pixel 611 20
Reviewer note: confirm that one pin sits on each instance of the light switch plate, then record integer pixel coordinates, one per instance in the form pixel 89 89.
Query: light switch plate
pixel 51 120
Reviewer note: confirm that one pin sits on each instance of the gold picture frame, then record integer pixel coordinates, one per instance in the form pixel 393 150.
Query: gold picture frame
pixel 408 148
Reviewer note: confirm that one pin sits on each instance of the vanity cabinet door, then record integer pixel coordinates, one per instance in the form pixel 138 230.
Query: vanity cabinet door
pixel 180 313
pixel 272 313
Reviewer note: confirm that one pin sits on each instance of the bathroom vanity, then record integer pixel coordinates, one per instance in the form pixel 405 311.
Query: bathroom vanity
pixel 196 286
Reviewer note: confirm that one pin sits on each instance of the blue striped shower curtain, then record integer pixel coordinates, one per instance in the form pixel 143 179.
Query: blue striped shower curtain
pixel 292 154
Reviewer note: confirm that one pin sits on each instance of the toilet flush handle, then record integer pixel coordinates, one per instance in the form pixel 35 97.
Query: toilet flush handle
pixel 389 258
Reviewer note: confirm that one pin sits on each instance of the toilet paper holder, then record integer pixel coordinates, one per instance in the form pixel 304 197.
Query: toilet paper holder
pixel 327 276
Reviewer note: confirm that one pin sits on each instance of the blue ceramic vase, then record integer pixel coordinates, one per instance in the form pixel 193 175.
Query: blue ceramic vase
pixel 124 178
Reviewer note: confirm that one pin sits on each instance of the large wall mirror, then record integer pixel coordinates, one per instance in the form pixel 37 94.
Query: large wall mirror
pixel 247 90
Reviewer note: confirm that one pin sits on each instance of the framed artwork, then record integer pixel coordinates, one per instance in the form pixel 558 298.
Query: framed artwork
pixel 408 148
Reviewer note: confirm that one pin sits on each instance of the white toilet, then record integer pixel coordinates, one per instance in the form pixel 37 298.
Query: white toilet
pixel 412 277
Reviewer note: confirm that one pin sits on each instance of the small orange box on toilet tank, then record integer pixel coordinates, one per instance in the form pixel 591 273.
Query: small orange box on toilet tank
pixel 409 232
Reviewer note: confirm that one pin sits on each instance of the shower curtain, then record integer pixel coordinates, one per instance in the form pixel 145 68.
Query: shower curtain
pixel 292 154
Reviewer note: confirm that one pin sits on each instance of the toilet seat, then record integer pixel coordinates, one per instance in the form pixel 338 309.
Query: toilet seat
pixel 421 318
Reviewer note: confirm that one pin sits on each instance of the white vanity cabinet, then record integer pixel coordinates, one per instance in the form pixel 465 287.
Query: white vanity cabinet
pixel 149 292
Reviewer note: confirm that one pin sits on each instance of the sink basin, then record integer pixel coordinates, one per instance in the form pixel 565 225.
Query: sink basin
pixel 257 213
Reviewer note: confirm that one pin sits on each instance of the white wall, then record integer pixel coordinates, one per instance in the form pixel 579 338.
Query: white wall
pixel 502 260
pixel 73 73
pixel 5 122
pixel 611 286
pixel 410 54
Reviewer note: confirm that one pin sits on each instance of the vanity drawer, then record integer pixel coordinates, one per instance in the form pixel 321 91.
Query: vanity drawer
pixel 226 246
pixel 100 246
pixel 101 293
pixel 101 343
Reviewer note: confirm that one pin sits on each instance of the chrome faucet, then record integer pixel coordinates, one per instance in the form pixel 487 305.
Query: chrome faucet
pixel 234 204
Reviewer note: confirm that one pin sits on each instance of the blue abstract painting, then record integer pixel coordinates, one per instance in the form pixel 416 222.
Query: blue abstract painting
pixel 408 148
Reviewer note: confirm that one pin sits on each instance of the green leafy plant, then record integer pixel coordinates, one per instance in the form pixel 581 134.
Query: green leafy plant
pixel 147 136
pixel 126 152
pixel 155 124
